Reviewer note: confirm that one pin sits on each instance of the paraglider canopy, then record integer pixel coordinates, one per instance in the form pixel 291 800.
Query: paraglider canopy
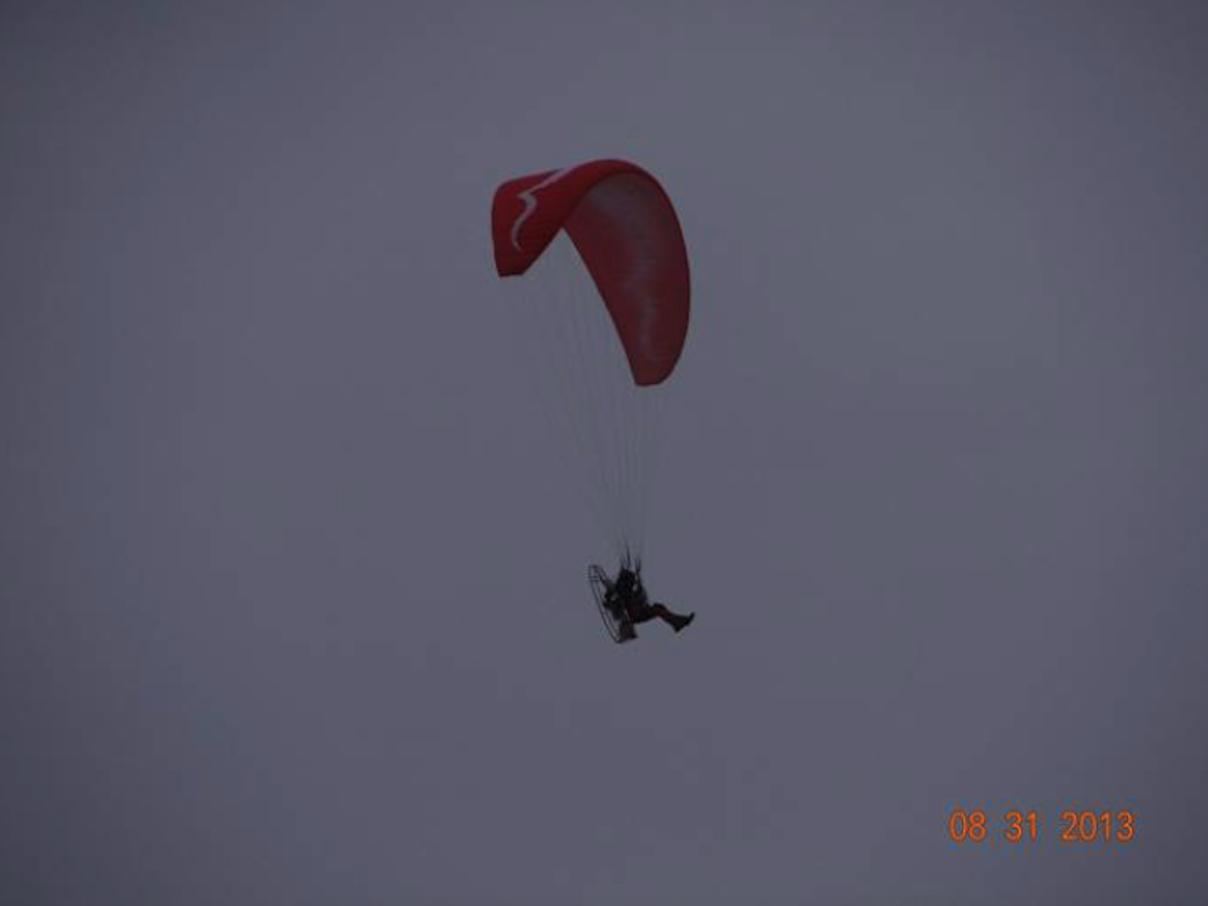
pixel 625 230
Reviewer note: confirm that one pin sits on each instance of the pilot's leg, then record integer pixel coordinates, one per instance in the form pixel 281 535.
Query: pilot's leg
pixel 668 616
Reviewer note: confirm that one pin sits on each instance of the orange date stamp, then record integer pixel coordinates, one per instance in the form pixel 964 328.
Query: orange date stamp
pixel 1070 826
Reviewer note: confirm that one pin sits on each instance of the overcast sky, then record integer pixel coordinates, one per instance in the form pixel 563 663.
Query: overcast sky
pixel 292 606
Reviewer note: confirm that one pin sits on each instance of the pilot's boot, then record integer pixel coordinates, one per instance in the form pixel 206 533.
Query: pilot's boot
pixel 682 622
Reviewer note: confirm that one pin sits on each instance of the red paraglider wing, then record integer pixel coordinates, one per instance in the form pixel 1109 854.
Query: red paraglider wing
pixel 625 230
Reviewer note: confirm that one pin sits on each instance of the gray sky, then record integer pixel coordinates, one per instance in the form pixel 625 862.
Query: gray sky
pixel 292 593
